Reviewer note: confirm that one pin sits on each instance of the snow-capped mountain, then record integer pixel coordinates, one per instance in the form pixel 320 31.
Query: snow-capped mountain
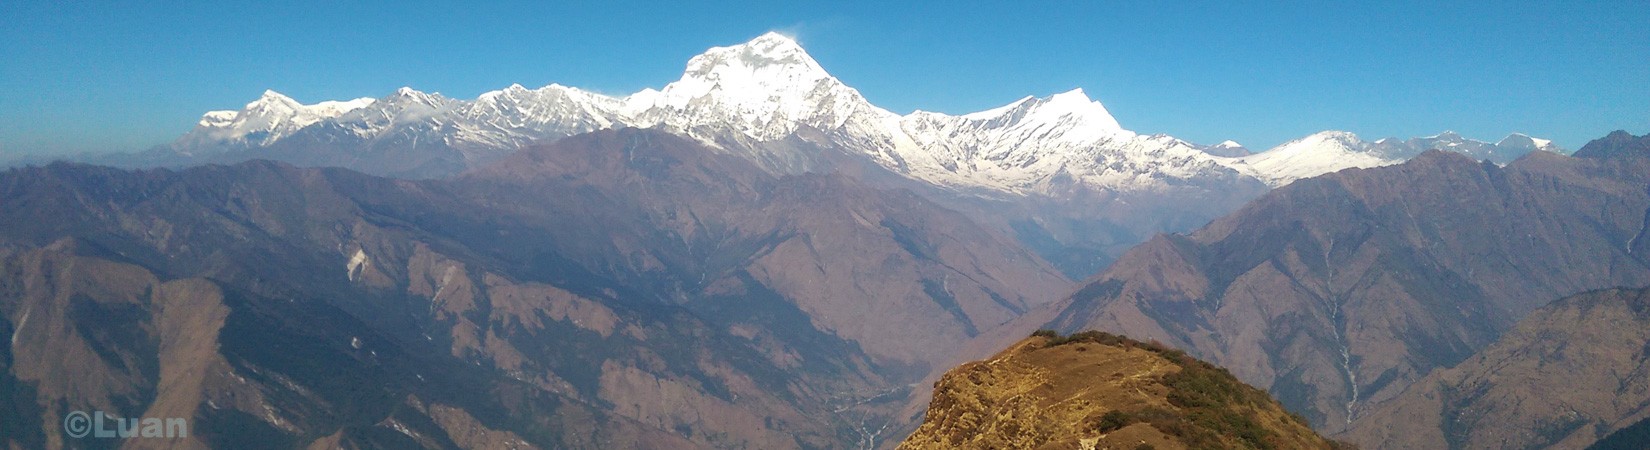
pixel 740 97
pixel 764 89
pixel 1310 156
pixel 1045 145
pixel 1332 151
pixel 749 99
pixel 1227 148
pixel 266 120
pixel 1518 142
pixel 515 116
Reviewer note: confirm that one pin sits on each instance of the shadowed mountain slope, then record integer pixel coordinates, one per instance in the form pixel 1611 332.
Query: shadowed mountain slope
pixel 1338 292
pixel 1569 374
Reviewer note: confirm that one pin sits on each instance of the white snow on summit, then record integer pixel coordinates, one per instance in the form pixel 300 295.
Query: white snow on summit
pixel 1227 149
pixel 269 118
pixel 1314 155
pixel 1522 141
pixel 1033 144
pixel 764 88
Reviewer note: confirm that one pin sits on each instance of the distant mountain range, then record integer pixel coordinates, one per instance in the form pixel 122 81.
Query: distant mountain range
pixel 747 98
pixel 1059 172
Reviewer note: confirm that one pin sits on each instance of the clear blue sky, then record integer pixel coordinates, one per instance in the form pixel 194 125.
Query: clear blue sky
pixel 94 76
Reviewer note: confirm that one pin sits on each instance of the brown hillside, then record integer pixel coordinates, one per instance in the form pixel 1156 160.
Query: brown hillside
pixel 1099 391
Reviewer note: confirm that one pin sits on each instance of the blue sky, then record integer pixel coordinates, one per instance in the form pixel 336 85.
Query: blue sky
pixel 93 76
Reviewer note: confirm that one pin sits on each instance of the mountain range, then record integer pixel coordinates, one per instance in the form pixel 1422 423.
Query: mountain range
pixel 1059 172
pixel 747 97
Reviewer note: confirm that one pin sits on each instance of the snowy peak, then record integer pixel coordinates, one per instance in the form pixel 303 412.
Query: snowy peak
pixel 763 89
pixel 768 50
pixel 1046 145
pixel 1320 153
pixel 1320 145
pixel 514 91
pixel 1076 105
pixel 1326 139
pixel 269 118
pixel 771 64
pixel 1073 108
pixel 409 96
pixel 334 108
pixel 405 106
pixel 1228 148
pixel 273 101
pixel 276 105
pixel 1069 117
pixel 1524 142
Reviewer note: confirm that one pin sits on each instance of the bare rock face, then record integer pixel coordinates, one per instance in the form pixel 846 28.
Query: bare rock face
pixel 1568 375
pixel 1339 292
pixel 624 289
pixel 1099 391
